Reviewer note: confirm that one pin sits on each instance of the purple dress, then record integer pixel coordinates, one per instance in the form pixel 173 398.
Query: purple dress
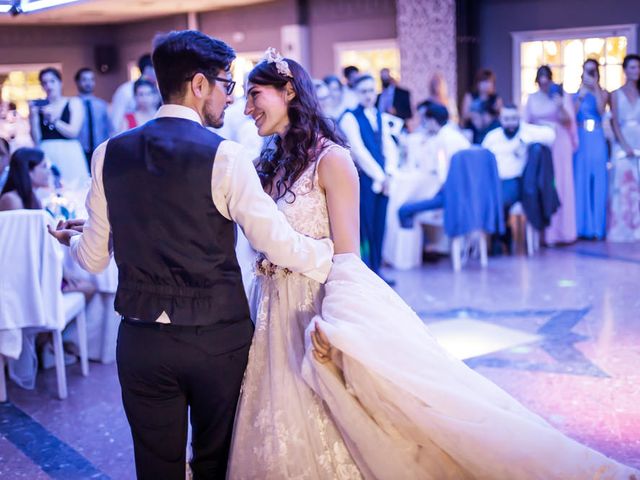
pixel 542 110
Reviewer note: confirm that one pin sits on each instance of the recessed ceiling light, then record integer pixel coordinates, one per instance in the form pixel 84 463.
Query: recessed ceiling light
pixel 35 5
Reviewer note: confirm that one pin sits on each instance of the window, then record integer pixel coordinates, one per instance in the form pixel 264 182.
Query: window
pixel 19 84
pixel 565 51
pixel 370 57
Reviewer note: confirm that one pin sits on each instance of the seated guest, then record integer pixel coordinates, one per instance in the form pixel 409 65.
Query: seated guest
pixel 447 138
pixel 28 171
pixel 146 100
pixel 509 145
pixel 447 141
pixel 393 100
pixel 4 161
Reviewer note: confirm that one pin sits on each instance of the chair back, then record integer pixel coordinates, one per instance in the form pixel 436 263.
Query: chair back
pixel 472 194
pixel 30 272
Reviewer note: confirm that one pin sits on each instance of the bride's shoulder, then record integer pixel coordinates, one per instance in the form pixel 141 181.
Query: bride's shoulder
pixel 336 163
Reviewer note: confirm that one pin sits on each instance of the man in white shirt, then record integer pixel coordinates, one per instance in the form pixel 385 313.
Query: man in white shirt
pixel 166 196
pixel 445 142
pixel 509 145
pixel 376 156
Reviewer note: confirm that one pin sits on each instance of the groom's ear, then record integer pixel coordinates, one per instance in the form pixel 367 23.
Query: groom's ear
pixel 199 85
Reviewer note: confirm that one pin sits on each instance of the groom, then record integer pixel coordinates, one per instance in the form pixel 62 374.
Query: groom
pixel 169 193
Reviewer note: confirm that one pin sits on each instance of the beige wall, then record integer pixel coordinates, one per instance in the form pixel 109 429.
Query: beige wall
pixel 72 47
pixel 135 39
pixel 332 21
pixel 258 26
pixel 247 29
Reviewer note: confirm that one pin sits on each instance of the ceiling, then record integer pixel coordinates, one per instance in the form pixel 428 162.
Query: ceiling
pixel 85 12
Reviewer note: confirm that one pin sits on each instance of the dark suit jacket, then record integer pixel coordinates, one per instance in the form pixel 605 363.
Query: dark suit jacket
pixel 401 103
pixel 539 197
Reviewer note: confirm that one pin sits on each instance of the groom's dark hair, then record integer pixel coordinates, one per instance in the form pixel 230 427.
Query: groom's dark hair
pixel 179 55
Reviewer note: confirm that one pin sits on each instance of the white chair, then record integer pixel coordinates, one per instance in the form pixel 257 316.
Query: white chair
pixel 463 246
pixel 31 295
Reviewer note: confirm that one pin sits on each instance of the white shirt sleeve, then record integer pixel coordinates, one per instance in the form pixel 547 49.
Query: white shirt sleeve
pixel 91 249
pixel 537 134
pixel 361 155
pixel 238 195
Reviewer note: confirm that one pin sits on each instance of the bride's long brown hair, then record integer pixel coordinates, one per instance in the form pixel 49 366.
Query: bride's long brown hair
pixel 308 128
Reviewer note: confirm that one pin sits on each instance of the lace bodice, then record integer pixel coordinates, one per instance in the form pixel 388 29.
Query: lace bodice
pixel 307 212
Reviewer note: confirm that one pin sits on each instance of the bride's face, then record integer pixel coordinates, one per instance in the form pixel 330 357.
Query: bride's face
pixel 268 107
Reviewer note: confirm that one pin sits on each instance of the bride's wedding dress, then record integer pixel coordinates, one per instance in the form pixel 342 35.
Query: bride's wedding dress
pixel 400 407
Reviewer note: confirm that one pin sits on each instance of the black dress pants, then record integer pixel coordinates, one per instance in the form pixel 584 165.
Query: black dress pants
pixel 166 369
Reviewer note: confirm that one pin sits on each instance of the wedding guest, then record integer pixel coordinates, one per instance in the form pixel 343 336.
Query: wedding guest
pixel 590 160
pixel 624 208
pixel 509 145
pixel 393 100
pixel 375 154
pixel 5 156
pixel 28 171
pixel 351 98
pixel 96 127
pixel 146 106
pixel 481 105
pixel 55 125
pixel 324 96
pixel 123 99
pixel 336 96
pixel 550 106
pixel 447 141
pixel 439 93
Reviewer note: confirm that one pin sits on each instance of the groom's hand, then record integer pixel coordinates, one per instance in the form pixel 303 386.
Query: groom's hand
pixel 321 345
pixel 65 230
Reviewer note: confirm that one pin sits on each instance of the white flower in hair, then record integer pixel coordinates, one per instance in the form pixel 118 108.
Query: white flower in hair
pixel 271 55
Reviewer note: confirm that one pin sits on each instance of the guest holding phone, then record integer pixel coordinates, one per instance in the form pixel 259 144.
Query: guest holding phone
pixel 55 124
pixel 550 106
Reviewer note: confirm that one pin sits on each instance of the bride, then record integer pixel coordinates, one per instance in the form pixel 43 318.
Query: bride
pixel 390 403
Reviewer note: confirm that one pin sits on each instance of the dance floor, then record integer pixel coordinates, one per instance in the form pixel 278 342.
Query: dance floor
pixel 559 331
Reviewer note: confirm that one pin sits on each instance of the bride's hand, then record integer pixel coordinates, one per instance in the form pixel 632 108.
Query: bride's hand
pixel 321 345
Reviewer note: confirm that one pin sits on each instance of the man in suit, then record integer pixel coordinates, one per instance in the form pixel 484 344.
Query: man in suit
pixel 166 196
pixel 97 125
pixel 393 100
pixel 376 155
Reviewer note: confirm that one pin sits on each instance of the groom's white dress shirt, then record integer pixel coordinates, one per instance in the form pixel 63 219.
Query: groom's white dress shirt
pixel 238 196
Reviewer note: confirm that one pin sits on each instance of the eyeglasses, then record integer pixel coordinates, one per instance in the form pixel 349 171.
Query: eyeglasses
pixel 229 87
pixel 230 84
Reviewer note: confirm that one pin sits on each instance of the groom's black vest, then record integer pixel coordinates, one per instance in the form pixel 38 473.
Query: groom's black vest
pixel 175 252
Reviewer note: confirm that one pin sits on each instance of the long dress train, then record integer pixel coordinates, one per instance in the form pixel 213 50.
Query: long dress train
pixel 399 406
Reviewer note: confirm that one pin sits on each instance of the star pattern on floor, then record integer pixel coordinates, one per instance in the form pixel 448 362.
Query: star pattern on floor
pixel 555 337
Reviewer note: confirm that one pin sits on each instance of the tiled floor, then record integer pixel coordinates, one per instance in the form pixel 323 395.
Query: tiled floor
pixel 560 331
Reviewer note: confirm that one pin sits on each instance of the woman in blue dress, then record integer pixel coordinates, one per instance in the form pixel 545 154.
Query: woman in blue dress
pixel 590 160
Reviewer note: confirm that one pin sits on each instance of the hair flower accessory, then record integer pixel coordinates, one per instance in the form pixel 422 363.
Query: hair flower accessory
pixel 271 55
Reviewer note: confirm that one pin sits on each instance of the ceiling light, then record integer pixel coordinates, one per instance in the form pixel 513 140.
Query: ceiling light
pixel 35 5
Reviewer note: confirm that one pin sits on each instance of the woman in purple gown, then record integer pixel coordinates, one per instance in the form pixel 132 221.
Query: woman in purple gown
pixel 549 106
